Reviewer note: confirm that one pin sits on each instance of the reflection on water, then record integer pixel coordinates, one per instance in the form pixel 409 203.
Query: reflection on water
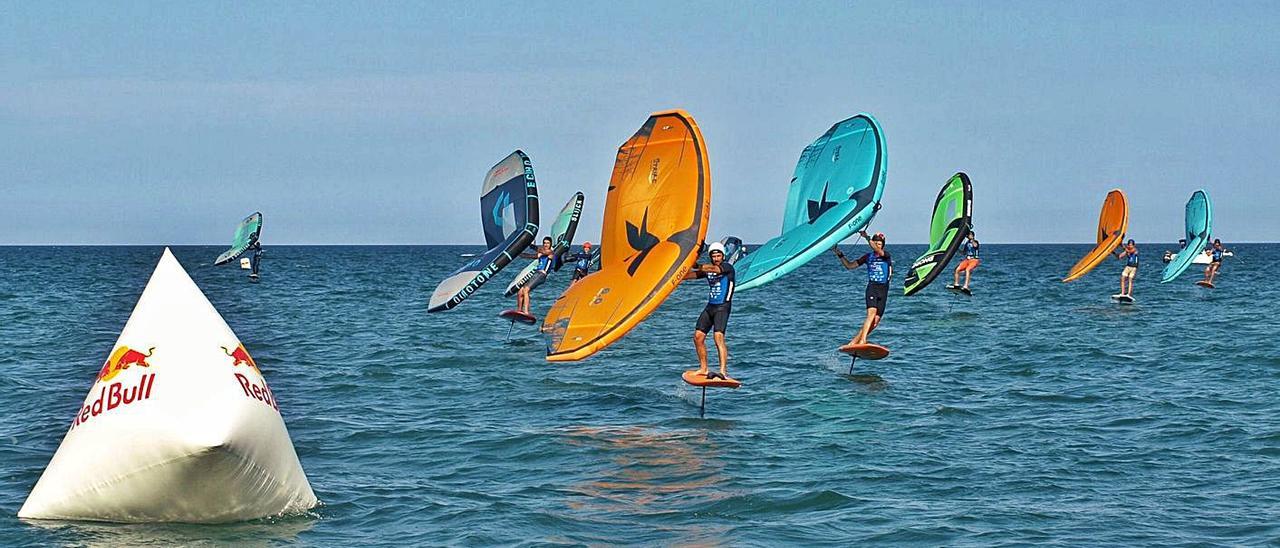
pixel 650 471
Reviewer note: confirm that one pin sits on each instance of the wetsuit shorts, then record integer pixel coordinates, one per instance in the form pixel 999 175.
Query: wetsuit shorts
pixel 537 279
pixel 877 297
pixel 968 264
pixel 1129 272
pixel 714 317
pixel 579 274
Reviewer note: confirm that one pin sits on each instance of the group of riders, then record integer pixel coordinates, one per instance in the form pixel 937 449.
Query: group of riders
pixel 1129 254
pixel 719 274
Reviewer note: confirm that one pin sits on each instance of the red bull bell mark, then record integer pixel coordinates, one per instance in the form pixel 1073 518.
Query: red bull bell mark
pixel 122 358
pixel 240 356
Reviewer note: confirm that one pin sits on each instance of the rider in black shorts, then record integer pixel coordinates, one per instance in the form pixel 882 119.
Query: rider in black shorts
pixel 879 272
pixel 715 317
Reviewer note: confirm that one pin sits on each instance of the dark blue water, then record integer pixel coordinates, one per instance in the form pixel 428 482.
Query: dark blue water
pixel 1035 412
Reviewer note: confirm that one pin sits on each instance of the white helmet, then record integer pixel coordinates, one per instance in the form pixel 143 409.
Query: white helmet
pixel 717 246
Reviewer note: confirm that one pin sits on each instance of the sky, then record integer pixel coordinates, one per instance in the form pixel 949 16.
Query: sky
pixel 375 122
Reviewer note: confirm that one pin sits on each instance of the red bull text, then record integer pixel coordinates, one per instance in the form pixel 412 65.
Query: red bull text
pixel 115 395
pixel 257 391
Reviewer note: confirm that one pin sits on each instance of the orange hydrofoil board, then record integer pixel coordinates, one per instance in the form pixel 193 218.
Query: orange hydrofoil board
pixel 517 316
pixel 865 351
pixel 698 379
pixel 1203 283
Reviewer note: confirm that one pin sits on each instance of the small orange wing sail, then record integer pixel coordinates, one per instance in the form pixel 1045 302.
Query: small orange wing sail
pixel 1113 224
pixel 655 217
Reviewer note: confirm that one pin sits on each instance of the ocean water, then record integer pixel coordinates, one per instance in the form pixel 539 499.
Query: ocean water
pixel 1035 412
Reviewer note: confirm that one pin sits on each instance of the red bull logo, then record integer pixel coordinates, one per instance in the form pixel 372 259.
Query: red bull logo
pixel 123 358
pixel 240 356
pixel 254 389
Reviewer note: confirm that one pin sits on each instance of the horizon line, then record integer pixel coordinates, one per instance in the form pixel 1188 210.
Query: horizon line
pixel 481 245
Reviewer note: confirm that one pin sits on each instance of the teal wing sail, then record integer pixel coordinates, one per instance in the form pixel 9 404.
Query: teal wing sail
pixel 562 232
pixel 246 235
pixel 1199 226
pixel 952 220
pixel 733 248
pixel 835 192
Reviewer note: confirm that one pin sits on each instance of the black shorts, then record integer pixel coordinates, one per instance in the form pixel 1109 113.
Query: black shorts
pixel 537 279
pixel 714 316
pixel 877 297
pixel 579 274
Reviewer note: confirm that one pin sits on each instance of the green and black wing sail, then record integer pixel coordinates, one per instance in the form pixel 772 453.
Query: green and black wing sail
pixel 952 220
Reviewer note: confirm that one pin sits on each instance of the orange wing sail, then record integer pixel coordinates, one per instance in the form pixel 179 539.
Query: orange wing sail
pixel 655 217
pixel 1113 224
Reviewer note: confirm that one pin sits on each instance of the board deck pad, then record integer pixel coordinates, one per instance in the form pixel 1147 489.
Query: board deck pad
pixel 865 351
pixel 1203 283
pixel 698 379
pixel 518 316
pixel 960 290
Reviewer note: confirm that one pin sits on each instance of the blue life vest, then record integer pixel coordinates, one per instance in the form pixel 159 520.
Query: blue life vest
pixel 720 285
pixel 877 268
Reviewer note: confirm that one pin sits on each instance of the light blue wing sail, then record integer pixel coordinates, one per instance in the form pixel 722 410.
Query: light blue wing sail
pixel 562 232
pixel 246 235
pixel 1199 226
pixel 834 193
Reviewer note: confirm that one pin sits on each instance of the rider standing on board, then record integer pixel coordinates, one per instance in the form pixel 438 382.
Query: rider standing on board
pixel 715 317
pixel 879 272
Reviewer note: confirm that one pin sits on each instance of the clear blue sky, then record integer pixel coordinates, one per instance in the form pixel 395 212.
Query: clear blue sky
pixel 370 122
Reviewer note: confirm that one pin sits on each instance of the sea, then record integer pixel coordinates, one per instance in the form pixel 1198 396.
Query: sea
pixel 1035 412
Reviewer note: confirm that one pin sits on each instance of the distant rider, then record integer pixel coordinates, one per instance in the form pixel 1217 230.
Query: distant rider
pixel 1215 261
pixel 1130 256
pixel 970 261
pixel 581 263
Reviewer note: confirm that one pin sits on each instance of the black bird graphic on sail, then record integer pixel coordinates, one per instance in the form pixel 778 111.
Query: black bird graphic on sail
pixel 640 239
pixel 816 209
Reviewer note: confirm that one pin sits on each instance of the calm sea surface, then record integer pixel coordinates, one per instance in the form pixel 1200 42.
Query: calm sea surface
pixel 1034 412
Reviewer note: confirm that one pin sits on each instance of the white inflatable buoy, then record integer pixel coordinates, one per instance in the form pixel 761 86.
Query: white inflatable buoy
pixel 179 425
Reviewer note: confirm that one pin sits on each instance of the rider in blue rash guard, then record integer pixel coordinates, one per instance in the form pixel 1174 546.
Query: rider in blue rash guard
pixel 1215 261
pixel 879 272
pixel 539 276
pixel 581 263
pixel 720 279
pixel 1130 256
